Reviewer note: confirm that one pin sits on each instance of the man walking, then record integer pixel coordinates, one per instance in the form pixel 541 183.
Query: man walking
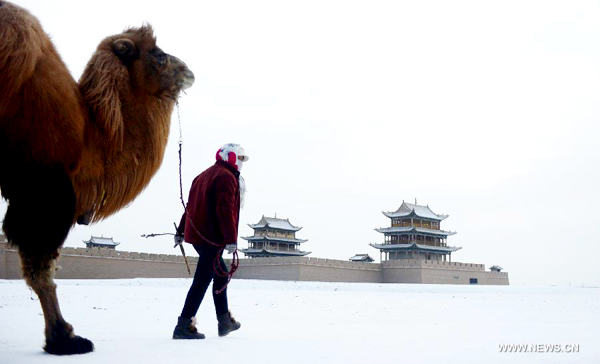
pixel 209 224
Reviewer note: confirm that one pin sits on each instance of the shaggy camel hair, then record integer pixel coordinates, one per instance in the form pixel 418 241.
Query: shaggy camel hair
pixel 76 151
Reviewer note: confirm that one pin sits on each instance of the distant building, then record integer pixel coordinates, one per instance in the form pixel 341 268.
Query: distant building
pixel 496 268
pixel 273 237
pixel 415 234
pixel 362 258
pixel 101 242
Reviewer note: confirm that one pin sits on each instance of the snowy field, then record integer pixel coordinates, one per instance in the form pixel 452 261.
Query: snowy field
pixel 131 321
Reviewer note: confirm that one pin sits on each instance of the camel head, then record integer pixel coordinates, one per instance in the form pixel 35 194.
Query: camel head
pixel 129 75
pixel 154 71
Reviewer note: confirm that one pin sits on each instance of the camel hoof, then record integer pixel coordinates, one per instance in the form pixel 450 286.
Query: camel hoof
pixel 69 346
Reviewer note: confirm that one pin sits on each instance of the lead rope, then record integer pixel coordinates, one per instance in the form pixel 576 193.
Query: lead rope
pixel 220 271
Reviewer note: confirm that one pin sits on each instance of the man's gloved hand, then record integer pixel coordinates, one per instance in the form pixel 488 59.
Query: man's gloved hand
pixel 178 240
pixel 231 248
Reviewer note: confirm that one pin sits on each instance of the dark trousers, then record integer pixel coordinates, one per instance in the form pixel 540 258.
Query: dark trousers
pixel 205 273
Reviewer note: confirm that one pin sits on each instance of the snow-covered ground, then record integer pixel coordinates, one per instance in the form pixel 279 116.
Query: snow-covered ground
pixel 131 321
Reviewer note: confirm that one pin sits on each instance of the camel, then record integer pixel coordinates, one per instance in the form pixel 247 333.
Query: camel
pixel 76 152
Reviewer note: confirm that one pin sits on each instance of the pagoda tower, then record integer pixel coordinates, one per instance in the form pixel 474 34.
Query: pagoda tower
pixel 415 234
pixel 273 237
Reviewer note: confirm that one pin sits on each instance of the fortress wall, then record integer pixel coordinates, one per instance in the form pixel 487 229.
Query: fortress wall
pixel 308 269
pixel 282 269
pixel 10 262
pixel 330 270
pixel 338 274
pixel 82 263
pixel 93 267
pixel 276 268
pixel 2 258
pixel 401 272
pixel 433 272
pixel 13 265
pixel 497 278
pixel 453 273
pixel 447 275
pixel 433 264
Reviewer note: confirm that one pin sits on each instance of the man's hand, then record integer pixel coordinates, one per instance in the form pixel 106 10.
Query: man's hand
pixel 178 240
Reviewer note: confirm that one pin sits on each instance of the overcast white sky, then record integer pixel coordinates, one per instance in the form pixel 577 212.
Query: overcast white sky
pixel 486 111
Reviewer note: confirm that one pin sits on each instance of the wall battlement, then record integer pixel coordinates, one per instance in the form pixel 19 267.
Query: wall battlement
pixel 308 261
pixel 433 264
pixel 117 254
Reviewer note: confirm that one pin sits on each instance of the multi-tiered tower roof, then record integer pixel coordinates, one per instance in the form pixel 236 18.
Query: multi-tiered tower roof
pixel 415 234
pixel 273 237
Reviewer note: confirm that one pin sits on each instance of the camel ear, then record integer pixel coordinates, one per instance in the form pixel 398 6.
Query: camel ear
pixel 125 49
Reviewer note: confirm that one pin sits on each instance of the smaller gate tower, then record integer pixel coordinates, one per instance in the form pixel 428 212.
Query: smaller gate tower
pixel 273 237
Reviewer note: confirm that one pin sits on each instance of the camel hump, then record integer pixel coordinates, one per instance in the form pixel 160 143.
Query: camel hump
pixel 22 45
pixel 34 85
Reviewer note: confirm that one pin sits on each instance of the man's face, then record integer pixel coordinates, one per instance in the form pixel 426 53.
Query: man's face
pixel 239 162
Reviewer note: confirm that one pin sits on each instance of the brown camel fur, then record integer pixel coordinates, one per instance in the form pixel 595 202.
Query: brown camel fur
pixel 76 152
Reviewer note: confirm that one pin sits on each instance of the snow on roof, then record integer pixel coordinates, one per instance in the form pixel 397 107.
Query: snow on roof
pixel 274 223
pixel 422 211
pixel 101 241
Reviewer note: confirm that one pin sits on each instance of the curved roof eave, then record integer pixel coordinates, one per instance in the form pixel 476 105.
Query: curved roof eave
pixel 448 249
pixel 264 226
pixel 274 240
pixel 406 209
pixel 273 252
pixel 412 229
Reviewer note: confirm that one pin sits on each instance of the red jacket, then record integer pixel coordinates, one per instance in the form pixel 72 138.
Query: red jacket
pixel 214 207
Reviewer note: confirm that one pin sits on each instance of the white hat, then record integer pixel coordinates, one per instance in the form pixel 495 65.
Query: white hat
pixel 233 154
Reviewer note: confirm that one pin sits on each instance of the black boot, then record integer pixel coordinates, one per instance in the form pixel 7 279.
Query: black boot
pixel 186 329
pixel 227 324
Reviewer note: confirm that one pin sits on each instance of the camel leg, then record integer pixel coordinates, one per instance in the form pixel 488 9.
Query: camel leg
pixel 37 221
pixel 38 272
